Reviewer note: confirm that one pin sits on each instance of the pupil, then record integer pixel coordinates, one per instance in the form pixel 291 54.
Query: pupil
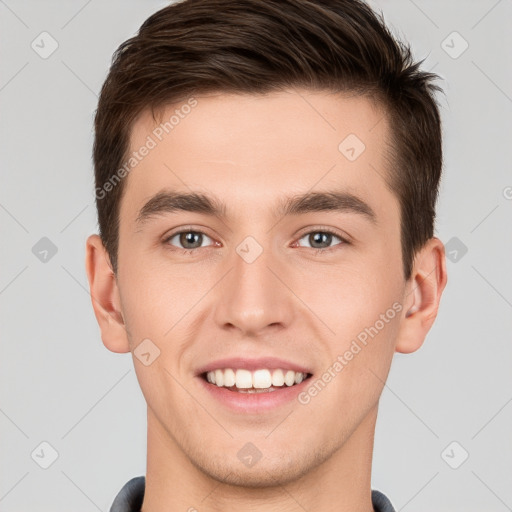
pixel 189 237
pixel 317 238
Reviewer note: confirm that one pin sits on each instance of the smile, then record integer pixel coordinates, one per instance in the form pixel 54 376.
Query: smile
pixel 258 381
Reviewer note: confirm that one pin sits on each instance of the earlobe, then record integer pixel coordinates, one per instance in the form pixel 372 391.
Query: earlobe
pixel 423 295
pixel 105 296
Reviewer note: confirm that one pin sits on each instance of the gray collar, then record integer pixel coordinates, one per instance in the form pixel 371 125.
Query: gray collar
pixel 129 498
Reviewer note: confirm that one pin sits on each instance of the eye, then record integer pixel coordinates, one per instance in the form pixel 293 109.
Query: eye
pixel 188 239
pixel 322 239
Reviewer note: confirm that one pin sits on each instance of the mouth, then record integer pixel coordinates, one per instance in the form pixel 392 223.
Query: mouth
pixel 253 386
pixel 263 380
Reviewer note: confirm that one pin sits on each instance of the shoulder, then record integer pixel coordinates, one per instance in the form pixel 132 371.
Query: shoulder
pixel 381 502
pixel 131 495
pixel 129 498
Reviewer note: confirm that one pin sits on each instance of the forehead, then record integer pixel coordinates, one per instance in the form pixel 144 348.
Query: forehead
pixel 244 147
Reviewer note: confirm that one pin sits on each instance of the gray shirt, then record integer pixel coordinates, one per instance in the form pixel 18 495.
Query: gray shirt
pixel 129 498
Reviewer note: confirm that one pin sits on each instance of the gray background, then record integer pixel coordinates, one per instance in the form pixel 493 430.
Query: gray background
pixel 60 385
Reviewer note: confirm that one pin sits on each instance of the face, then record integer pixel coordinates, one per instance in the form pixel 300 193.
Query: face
pixel 244 276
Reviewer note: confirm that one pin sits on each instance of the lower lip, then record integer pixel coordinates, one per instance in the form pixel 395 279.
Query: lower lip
pixel 254 402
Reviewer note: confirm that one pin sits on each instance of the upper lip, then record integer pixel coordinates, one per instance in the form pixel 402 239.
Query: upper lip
pixel 270 363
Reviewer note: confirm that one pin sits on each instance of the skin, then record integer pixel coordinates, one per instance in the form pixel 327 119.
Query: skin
pixel 294 301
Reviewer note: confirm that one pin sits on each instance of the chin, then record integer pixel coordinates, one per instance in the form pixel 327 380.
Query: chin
pixel 263 476
pixel 276 471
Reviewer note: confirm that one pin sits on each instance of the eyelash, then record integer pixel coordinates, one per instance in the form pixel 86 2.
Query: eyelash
pixel 343 240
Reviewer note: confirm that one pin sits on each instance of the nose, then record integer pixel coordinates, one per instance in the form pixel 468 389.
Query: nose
pixel 254 297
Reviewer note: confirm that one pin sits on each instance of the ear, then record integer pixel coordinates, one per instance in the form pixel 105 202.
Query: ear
pixel 422 296
pixel 105 296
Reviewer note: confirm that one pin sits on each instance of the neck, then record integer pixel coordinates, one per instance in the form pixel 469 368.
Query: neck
pixel 340 484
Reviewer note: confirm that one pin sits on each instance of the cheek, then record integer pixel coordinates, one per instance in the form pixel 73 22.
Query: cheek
pixel 165 393
pixel 156 296
pixel 350 297
pixel 361 308
pixel 354 375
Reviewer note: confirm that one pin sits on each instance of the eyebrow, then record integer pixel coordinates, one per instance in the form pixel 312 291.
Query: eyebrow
pixel 170 202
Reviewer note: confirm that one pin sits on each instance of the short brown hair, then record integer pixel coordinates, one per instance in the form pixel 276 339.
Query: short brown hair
pixel 255 46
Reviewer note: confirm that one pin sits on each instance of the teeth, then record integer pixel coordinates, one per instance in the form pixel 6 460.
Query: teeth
pixel 278 378
pixel 229 377
pixel 289 378
pixel 260 379
pixel 243 378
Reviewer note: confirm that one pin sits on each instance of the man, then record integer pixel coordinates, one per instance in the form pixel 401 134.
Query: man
pixel 266 181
